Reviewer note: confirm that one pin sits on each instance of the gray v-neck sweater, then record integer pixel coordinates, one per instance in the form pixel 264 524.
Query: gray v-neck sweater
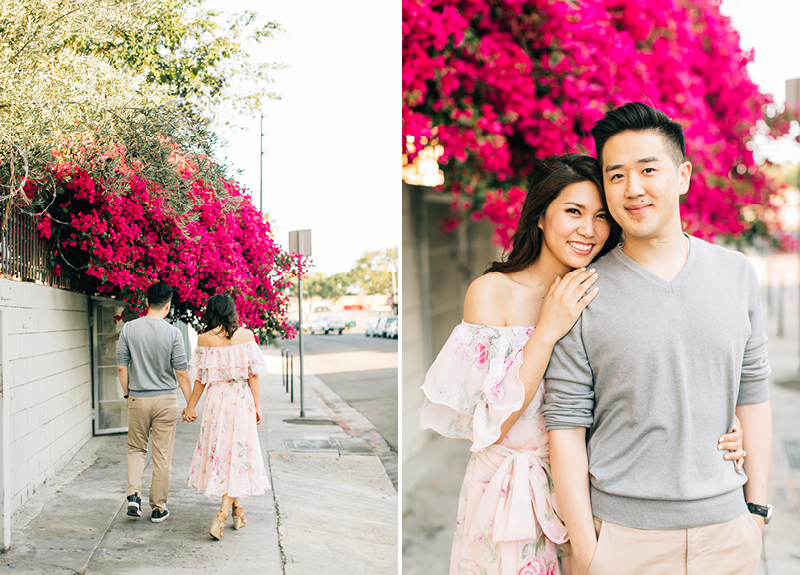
pixel 654 370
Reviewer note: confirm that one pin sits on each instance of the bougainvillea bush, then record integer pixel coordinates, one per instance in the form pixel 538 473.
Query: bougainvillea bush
pixel 127 232
pixel 499 83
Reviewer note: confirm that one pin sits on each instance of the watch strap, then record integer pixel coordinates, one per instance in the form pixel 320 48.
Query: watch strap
pixel 760 510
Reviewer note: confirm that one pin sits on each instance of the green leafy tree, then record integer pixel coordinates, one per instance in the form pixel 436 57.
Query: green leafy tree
pixel 373 271
pixel 204 58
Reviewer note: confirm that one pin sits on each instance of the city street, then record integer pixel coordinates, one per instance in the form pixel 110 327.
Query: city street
pixel 361 370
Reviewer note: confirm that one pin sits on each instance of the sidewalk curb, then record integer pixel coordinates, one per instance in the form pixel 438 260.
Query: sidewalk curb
pixel 348 418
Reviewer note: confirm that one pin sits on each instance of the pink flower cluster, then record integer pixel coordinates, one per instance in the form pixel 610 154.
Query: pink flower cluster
pixel 500 83
pixel 129 238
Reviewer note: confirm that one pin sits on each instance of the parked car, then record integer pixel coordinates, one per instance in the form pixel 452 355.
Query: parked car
pixel 380 327
pixel 372 326
pixel 392 325
pixel 327 324
pixel 388 320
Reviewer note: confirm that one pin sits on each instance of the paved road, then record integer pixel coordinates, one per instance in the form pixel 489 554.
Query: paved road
pixel 361 370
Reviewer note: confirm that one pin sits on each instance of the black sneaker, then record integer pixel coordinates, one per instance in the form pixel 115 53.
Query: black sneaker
pixel 134 505
pixel 159 516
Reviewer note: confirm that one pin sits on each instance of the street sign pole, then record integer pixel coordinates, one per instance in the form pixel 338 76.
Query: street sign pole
pixel 300 245
pixel 300 333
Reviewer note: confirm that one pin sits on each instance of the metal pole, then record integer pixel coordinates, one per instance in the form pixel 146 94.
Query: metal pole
pixel 394 297
pixel 283 367
pixel 300 340
pixel 291 396
pixel 781 297
pixel 261 165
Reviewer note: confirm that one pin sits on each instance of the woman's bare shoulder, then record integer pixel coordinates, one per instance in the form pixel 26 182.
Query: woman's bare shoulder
pixel 204 339
pixel 486 297
pixel 242 335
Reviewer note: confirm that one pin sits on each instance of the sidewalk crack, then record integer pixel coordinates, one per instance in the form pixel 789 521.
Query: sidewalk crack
pixel 277 517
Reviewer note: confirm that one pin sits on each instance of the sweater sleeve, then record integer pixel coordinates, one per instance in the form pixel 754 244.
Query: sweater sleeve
pixel 123 353
pixel 569 384
pixel 178 356
pixel 753 386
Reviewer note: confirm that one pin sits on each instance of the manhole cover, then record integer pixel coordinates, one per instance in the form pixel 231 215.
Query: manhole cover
pixel 351 445
pixel 306 421
pixel 793 452
pixel 312 444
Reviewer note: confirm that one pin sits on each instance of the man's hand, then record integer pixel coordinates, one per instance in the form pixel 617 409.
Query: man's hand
pixel 759 521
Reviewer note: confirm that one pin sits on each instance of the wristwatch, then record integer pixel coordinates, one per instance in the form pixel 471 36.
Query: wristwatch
pixel 761 511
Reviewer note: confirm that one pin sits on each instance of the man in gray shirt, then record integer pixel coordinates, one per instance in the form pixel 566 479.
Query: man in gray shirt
pixel 151 362
pixel 655 370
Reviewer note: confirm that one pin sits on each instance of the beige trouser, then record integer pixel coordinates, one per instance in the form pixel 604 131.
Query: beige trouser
pixel 159 413
pixel 732 548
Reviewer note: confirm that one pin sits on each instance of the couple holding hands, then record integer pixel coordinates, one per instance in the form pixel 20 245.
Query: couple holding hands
pixel 151 364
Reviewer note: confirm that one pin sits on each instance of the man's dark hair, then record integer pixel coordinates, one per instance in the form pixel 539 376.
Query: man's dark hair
pixel 158 295
pixel 638 117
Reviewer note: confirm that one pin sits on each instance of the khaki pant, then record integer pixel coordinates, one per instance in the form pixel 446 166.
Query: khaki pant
pixel 732 548
pixel 159 413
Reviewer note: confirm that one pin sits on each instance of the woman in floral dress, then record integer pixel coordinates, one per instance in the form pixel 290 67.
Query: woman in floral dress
pixel 480 389
pixel 227 461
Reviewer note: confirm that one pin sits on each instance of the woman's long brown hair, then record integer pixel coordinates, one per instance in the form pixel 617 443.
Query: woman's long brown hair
pixel 221 312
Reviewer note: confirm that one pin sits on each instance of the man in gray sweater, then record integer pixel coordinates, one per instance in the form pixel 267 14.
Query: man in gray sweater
pixel 639 392
pixel 151 362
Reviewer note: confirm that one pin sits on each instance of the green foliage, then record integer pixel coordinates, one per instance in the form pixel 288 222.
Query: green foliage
pixel 371 274
pixel 329 286
pixel 202 57
pixel 373 271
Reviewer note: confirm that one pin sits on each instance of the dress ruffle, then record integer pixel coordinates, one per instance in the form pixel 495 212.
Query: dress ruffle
pixel 473 385
pixel 210 364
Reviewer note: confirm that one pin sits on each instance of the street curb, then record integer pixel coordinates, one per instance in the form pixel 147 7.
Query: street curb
pixel 350 420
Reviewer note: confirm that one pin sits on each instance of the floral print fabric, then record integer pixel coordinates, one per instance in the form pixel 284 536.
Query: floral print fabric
pixel 507 523
pixel 227 459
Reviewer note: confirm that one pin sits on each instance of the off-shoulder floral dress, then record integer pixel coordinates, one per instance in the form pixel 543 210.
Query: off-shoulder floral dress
pixel 508 521
pixel 227 459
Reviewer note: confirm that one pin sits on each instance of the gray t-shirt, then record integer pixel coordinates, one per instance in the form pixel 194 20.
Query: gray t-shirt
pixel 654 370
pixel 154 350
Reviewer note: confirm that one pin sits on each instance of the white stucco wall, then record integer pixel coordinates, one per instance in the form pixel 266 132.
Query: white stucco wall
pixel 47 382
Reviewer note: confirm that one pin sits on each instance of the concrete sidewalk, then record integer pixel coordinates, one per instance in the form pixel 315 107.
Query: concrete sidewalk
pixel 432 480
pixel 332 507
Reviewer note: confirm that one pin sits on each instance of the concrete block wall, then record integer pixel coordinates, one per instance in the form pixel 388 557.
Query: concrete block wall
pixel 414 367
pixel 47 380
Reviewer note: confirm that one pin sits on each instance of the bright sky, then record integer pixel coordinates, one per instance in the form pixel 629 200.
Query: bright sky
pixel 771 27
pixel 332 161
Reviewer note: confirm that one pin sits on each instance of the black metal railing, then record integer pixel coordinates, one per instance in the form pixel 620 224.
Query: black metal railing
pixel 287 372
pixel 24 256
